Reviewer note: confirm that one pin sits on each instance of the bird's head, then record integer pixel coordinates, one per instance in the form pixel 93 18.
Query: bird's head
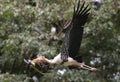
pixel 40 59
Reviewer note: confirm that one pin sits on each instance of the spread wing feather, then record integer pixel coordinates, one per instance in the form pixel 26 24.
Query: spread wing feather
pixel 74 32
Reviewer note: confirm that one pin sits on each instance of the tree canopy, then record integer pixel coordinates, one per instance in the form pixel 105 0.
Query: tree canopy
pixel 25 31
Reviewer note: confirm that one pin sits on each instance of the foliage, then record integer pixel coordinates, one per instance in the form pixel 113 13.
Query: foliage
pixel 12 77
pixel 25 31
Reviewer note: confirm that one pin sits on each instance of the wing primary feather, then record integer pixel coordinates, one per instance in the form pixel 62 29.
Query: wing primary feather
pixel 78 6
pixel 85 10
pixel 74 9
pixel 81 8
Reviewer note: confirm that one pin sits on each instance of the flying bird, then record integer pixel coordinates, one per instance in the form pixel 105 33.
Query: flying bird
pixel 72 41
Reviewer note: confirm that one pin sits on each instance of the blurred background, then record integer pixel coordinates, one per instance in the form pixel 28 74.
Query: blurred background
pixel 31 28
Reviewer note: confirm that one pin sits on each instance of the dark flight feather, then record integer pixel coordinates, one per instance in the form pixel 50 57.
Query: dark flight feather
pixel 74 32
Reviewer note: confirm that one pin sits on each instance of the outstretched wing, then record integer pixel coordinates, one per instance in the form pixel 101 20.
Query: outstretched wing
pixel 74 32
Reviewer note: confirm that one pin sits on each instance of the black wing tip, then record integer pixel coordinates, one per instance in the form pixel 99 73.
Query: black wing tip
pixel 81 10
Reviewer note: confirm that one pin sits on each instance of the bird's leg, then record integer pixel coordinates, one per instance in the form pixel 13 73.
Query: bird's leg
pixel 88 67
pixel 72 62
